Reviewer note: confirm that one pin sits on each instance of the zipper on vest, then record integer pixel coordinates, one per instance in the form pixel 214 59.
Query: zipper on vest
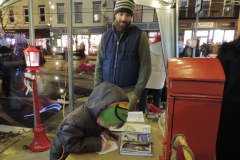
pixel 115 61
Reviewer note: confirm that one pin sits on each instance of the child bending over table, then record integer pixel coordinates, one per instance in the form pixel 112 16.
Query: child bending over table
pixel 81 130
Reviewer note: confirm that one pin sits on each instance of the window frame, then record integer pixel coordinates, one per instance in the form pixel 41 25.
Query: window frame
pixel 205 12
pixel 60 14
pixel 78 4
pixel 97 12
pixel 11 15
pixel 228 8
pixel 138 13
pixel 183 9
pixel 227 2
pixel 155 17
pixel 42 15
pixel 26 16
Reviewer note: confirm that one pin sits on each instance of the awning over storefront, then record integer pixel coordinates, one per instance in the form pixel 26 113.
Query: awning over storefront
pixel 5 3
pixel 39 33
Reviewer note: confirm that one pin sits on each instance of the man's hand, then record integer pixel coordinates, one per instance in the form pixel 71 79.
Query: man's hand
pixel 133 99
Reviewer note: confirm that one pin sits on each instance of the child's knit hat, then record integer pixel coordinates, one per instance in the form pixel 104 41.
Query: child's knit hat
pixel 114 114
pixel 124 6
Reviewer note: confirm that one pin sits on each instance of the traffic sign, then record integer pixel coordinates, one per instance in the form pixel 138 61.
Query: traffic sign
pixel 198 6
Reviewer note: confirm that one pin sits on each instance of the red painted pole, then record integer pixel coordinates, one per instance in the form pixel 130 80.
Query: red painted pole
pixel 40 141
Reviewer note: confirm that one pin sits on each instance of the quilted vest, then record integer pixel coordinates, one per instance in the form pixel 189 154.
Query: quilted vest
pixel 121 61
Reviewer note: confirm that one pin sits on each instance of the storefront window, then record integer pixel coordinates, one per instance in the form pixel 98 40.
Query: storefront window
pixel 229 35
pixel 218 36
pixel 82 39
pixel 210 36
pixel 94 42
pixel 152 36
pixel 187 35
pixel 59 43
pixel 202 33
pixel 64 41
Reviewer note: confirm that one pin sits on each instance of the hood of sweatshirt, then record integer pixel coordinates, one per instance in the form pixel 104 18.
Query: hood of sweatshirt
pixel 102 96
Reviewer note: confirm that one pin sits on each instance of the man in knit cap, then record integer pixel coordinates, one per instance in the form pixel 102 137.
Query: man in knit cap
pixel 123 54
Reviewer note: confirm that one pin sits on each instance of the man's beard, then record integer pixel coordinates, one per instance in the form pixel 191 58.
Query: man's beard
pixel 120 26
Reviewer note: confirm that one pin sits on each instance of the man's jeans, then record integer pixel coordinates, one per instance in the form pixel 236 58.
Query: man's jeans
pixel 156 98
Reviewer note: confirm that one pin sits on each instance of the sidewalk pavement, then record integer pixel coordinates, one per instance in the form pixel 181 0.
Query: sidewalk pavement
pixel 14 148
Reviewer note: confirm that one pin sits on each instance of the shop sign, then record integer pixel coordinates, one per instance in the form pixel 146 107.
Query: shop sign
pixel 198 5
pixel 81 31
pixel 226 24
pixel 185 25
pixel 205 24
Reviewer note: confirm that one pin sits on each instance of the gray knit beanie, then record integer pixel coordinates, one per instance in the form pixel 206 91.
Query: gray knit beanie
pixel 124 6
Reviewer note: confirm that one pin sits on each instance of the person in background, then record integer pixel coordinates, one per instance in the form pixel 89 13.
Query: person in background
pixel 180 46
pixel 6 71
pixel 81 52
pixel 187 51
pixel 157 77
pixel 64 59
pixel 123 55
pixel 42 59
pixel 81 130
pixel 83 58
pixel 43 51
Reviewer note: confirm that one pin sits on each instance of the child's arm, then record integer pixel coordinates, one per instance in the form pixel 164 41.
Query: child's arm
pixel 73 137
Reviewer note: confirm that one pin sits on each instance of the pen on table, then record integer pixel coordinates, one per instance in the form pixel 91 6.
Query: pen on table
pixel 111 134
pixel 104 139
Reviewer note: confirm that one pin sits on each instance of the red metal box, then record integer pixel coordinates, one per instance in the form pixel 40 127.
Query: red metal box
pixel 195 89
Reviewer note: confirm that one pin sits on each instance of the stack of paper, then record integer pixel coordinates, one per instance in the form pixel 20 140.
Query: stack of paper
pixel 132 117
pixel 136 140
pixel 135 117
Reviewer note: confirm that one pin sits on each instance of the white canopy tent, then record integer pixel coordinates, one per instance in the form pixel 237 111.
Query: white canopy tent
pixel 167 12
pixel 5 3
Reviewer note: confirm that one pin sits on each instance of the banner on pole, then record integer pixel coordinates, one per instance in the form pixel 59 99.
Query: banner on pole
pixel 198 6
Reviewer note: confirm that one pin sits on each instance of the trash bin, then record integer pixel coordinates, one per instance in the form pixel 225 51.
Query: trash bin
pixel 195 90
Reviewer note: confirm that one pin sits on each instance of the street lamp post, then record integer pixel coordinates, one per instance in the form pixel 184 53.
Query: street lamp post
pixel 51 19
pixel 40 141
